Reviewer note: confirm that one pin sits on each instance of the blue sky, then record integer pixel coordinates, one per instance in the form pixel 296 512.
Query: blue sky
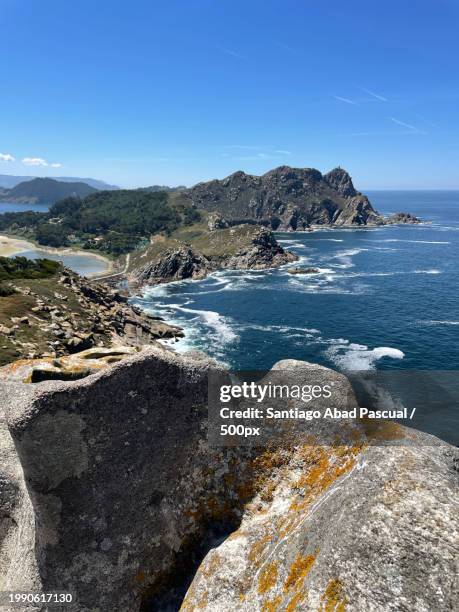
pixel 175 92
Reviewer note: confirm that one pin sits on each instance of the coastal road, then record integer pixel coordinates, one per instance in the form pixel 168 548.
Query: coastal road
pixel 105 277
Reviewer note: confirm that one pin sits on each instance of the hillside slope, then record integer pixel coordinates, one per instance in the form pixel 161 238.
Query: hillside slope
pixel 45 191
pixel 287 199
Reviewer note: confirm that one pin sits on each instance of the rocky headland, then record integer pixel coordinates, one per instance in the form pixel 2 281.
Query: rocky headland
pixel 110 490
pixel 194 253
pixel 289 199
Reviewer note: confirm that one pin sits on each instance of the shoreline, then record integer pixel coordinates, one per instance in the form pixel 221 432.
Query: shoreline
pixel 13 245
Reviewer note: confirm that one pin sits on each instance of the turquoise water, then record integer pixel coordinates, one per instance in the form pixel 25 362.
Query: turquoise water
pixel 83 264
pixel 385 298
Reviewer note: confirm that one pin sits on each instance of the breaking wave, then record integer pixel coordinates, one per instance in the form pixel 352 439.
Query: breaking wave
pixel 357 357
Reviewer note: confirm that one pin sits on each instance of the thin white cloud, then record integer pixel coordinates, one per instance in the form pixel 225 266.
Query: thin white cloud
pixel 6 157
pixel 281 152
pixel 405 125
pixel 232 53
pixel 375 95
pixel 34 161
pixel 39 161
pixel 345 100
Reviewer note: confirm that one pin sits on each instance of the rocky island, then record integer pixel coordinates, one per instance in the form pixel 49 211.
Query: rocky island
pixel 289 199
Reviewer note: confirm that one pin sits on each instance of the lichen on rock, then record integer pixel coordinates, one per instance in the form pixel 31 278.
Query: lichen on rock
pixel 109 489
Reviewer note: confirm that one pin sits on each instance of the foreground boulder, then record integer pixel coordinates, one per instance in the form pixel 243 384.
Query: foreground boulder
pixel 113 493
pixel 70 367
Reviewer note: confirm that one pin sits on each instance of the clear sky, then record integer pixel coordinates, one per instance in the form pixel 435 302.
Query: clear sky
pixel 142 92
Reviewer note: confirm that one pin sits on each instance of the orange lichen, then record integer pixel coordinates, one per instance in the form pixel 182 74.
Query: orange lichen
pixel 272 605
pixel 299 570
pixel 322 467
pixel 268 577
pixel 293 604
pixel 258 547
pixel 333 600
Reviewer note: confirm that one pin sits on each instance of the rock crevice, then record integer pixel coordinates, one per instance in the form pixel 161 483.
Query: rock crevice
pixel 108 485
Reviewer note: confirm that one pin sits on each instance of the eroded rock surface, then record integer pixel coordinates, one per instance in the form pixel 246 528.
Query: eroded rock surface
pixel 70 367
pixel 114 487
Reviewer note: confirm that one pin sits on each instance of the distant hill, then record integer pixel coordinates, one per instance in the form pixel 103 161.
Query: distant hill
pixel 9 181
pixel 45 191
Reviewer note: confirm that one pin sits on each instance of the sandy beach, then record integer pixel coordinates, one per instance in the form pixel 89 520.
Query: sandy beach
pixel 10 246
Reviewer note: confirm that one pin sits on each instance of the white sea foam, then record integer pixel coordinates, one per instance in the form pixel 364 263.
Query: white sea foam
pixel 325 286
pixel 328 240
pixel 345 257
pixel 282 329
pixel 213 320
pixel 429 271
pixel 354 357
pixel 435 322
pixel 415 241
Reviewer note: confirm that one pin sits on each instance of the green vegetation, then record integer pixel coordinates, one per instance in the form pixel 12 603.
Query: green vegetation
pixel 19 267
pixel 14 222
pixel 5 290
pixel 216 245
pixel 114 222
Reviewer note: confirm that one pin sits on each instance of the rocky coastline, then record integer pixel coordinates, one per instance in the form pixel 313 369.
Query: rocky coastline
pixel 258 251
pixel 67 314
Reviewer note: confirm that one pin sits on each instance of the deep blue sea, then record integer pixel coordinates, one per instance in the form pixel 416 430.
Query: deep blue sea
pixel 385 298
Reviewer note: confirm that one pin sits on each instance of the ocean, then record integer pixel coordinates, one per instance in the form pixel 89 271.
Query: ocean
pixel 385 298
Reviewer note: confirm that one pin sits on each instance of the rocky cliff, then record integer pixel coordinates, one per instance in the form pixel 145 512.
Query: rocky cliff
pixel 194 254
pixel 66 313
pixel 110 490
pixel 287 198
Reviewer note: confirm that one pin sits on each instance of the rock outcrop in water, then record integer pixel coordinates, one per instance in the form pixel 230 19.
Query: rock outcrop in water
pixel 287 199
pixel 109 489
pixel 401 217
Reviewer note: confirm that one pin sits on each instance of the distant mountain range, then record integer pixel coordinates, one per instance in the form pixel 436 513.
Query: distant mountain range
pixel 44 191
pixel 9 181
